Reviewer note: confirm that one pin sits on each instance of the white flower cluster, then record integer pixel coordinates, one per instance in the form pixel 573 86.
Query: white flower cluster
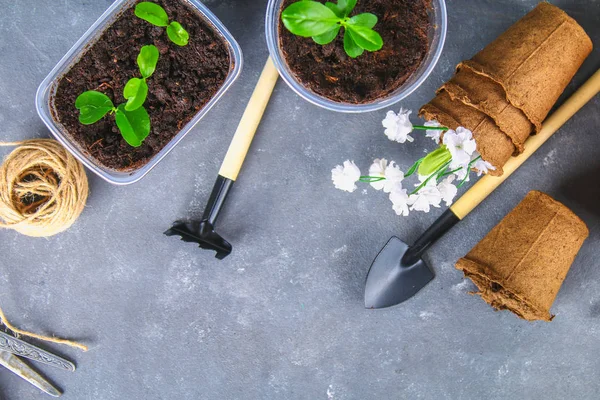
pixel 457 145
pixel 432 194
pixel 460 143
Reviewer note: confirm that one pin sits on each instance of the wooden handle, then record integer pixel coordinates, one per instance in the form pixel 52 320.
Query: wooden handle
pixel 249 123
pixel 488 183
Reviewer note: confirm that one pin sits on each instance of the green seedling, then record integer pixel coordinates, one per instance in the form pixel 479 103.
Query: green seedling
pixel 133 125
pixel 136 89
pixel 132 118
pixel 322 22
pixel 156 15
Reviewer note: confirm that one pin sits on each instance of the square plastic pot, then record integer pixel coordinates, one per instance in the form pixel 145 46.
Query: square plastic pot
pixel 48 88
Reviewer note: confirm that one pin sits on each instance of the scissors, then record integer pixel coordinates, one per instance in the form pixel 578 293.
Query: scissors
pixel 11 349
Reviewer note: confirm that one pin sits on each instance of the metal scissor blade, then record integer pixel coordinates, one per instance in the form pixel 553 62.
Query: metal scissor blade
pixel 18 367
pixel 24 349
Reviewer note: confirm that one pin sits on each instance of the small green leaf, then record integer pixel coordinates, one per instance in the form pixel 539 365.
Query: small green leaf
pixel 309 18
pixel 134 125
pixel 367 20
pixel 327 37
pixel 147 60
pixel 434 161
pixel 177 34
pixel 336 9
pixel 352 49
pixel 93 106
pixel 135 91
pixel 348 6
pixel 365 37
pixel 343 8
pixel 414 167
pixel 152 13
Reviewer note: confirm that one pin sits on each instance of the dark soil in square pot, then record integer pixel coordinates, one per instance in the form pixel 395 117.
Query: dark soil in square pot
pixel 186 78
pixel 328 71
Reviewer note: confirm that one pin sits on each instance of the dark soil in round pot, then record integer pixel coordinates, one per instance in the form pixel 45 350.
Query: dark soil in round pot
pixel 327 70
pixel 185 79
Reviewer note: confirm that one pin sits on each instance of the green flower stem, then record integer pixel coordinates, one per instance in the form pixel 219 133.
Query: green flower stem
pixel 445 174
pixel 468 171
pixel 369 179
pixel 440 169
pixel 432 128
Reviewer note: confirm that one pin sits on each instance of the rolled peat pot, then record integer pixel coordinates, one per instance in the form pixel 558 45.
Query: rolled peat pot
pixel 506 90
pixel 187 83
pixel 413 32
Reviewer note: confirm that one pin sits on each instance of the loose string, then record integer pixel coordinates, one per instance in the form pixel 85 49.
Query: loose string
pixel 40 337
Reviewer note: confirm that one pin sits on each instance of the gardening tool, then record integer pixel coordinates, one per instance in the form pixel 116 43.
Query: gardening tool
pixel 203 232
pixel 398 272
pixel 18 347
pixel 15 365
pixel 11 347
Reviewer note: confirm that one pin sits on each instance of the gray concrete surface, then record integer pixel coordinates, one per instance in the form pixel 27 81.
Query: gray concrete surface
pixel 283 316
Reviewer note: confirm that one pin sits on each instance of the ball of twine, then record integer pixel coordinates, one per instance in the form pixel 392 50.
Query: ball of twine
pixel 43 188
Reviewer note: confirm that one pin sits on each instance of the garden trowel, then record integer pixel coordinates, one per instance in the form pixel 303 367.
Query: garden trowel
pixel 203 232
pixel 399 272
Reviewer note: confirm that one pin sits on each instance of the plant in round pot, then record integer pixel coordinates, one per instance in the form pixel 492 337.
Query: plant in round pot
pixel 355 55
pixel 136 83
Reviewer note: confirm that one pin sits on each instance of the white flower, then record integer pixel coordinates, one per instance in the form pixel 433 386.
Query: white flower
pixel 428 195
pixel 399 199
pixel 482 166
pixel 377 169
pixel 461 145
pixel 398 126
pixel 391 173
pixel 447 189
pixel 393 176
pixel 345 178
pixel 434 134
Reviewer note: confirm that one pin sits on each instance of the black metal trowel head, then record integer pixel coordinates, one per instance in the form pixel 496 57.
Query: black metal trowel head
pixel 398 272
pixel 202 233
pixel 393 278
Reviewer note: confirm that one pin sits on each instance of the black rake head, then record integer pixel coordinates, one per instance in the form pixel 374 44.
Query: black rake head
pixel 202 233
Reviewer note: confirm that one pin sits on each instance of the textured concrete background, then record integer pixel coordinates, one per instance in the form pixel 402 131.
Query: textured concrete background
pixel 283 316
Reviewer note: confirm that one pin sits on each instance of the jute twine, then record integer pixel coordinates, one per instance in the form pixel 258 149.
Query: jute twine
pixel 40 337
pixel 43 188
